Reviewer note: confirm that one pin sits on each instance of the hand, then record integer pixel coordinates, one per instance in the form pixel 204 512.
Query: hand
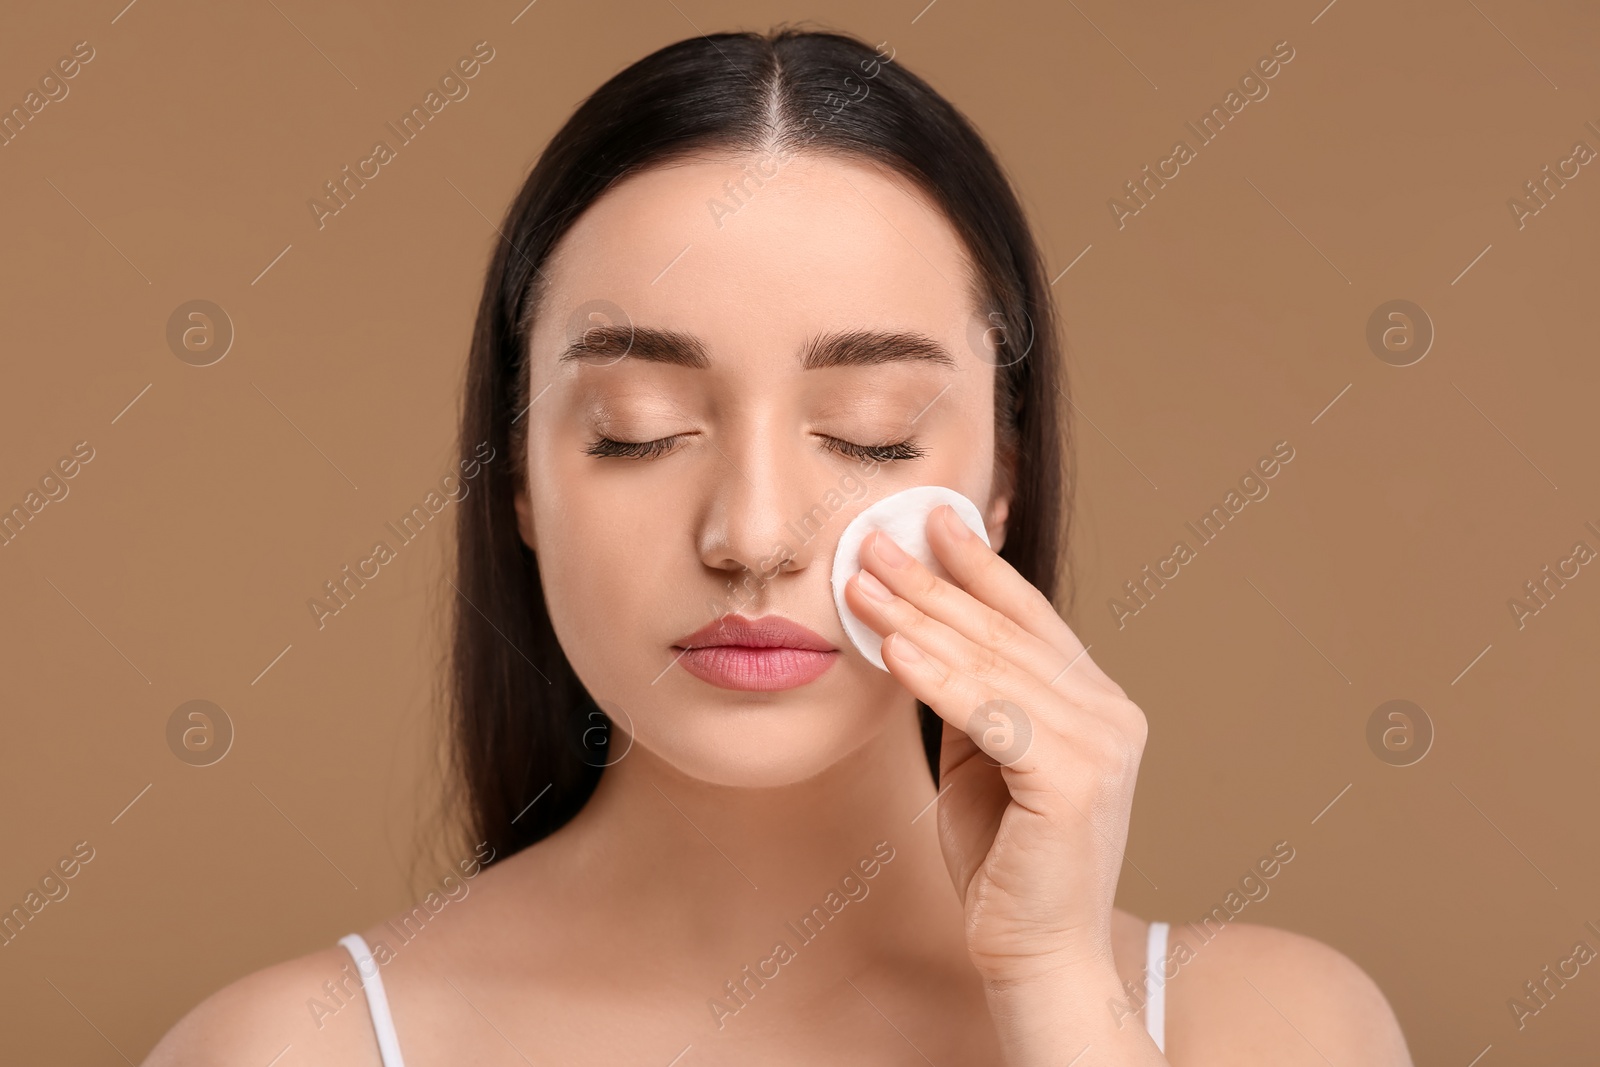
pixel 1039 754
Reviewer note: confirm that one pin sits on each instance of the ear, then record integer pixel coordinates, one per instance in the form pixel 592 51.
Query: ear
pixel 524 508
pixel 1001 492
pixel 995 521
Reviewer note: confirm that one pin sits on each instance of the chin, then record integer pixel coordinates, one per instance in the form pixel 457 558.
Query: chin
pixel 776 739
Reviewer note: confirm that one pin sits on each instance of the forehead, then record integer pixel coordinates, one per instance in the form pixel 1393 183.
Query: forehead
pixel 754 251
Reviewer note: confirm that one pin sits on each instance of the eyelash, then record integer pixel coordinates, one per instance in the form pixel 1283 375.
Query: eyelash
pixel 908 449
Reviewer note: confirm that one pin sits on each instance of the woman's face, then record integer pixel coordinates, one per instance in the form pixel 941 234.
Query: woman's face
pixel 729 277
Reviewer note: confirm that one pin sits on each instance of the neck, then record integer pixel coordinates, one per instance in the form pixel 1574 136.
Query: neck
pixel 698 861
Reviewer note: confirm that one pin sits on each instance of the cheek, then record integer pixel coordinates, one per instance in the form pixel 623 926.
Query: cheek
pixel 601 566
pixel 964 454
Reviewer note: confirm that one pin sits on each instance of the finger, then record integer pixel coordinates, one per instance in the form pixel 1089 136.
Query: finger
pixel 986 691
pixel 1082 714
pixel 957 610
pixel 983 573
pixel 1010 616
pixel 1042 769
pixel 999 727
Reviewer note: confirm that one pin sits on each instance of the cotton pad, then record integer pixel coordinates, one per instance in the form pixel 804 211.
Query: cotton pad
pixel 904 517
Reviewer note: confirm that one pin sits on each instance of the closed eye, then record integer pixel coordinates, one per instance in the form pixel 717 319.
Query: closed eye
pixel 606 447
pixel 907 449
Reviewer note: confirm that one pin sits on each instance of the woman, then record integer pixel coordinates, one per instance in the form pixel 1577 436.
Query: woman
pixel 754 284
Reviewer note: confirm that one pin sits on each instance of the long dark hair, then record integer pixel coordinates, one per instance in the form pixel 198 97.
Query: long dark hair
pixel 529 742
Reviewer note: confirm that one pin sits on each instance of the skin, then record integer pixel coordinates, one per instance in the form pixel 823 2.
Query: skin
pixel 991 936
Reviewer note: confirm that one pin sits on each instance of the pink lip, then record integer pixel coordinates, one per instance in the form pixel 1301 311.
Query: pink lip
pixel 766 654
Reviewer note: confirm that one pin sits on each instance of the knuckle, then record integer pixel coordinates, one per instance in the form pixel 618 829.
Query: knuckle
pixel 1141 728
pixel 1108 745
pixel 999 631
pixel 1109 750
pixel 1134 721
pixel 985 663
pixel 926 585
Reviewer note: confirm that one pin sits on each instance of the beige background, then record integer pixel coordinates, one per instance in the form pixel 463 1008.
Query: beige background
pixel 1225 317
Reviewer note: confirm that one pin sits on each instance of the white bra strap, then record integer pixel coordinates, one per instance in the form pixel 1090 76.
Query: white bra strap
pixel 1155 984
pixel 377 999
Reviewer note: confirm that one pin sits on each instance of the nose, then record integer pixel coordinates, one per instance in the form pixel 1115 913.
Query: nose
pixel 766 513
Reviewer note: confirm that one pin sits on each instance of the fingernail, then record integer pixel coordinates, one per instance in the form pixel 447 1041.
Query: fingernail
pixel 874 588
pixel 888 551
pixel 904 649
pixel 953 523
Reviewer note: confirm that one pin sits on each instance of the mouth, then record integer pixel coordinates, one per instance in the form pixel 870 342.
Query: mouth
pixel 765 655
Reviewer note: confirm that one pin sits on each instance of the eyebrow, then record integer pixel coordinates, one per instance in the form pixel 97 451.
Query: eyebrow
pixel 847 348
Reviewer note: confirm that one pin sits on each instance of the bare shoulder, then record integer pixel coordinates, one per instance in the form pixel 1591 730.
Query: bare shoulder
pixel 1254 994
pixel 316 1004
pixel 262 1015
